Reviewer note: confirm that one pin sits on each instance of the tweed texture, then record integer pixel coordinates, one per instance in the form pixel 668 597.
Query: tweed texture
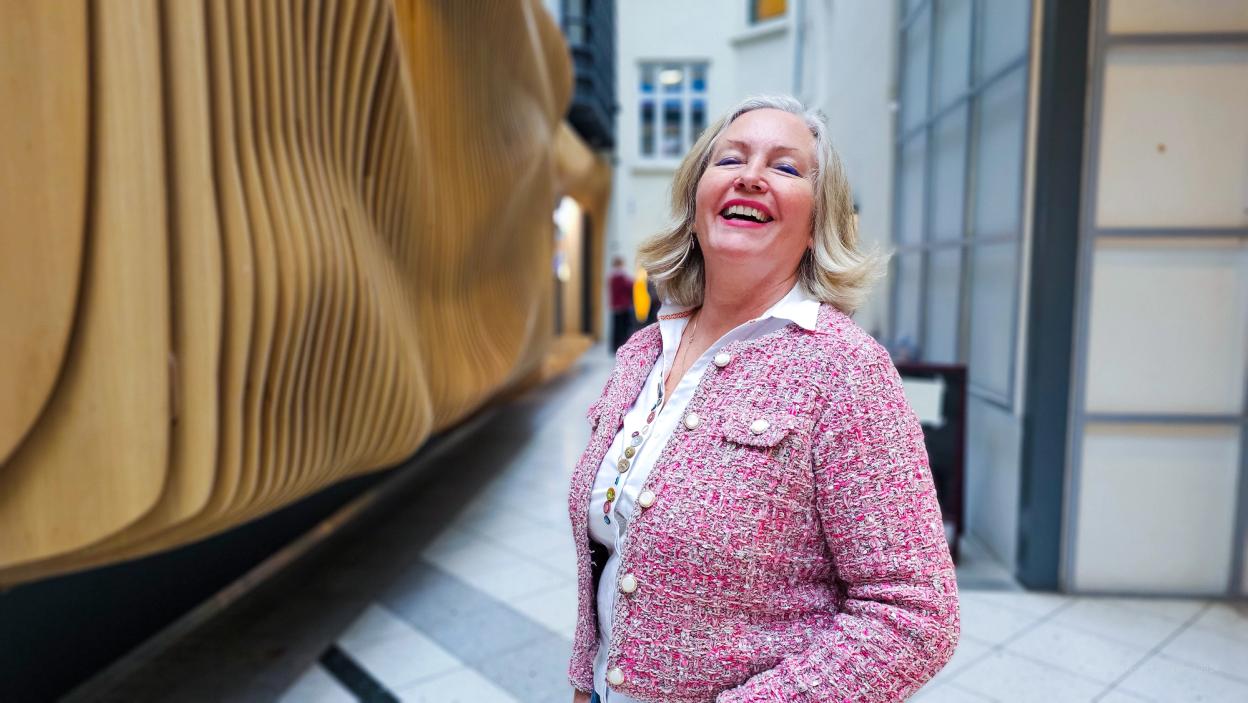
pixel 805 562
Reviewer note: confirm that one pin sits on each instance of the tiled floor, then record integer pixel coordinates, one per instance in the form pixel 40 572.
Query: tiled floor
pixel 466 593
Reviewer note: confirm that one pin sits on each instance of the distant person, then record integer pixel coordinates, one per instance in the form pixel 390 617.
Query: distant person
pixel 754 517
pixel 620 288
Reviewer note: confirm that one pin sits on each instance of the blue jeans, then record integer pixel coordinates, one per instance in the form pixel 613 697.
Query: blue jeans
pixel 593 697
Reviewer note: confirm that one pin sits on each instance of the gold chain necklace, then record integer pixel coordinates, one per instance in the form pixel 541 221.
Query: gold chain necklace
pixel 683 356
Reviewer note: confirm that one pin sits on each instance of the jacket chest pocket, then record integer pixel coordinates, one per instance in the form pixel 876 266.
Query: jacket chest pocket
pixel 760 453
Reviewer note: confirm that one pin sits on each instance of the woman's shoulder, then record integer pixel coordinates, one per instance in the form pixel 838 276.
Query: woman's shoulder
pixel 843 343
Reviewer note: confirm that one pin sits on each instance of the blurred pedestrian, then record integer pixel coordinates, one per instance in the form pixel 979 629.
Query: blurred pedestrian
pixel 754 516
pixel 620 289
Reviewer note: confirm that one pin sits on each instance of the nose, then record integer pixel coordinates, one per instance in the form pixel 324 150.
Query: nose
pixel 751 179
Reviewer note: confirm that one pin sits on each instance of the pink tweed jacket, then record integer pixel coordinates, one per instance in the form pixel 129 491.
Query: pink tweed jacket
pixel 803 560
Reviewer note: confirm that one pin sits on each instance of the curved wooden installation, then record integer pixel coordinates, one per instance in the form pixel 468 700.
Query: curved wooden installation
pixel 300 237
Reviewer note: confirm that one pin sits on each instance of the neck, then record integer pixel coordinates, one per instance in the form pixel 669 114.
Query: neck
pixel 728 303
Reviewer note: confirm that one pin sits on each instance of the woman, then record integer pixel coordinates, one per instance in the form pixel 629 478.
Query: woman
pixel 754 516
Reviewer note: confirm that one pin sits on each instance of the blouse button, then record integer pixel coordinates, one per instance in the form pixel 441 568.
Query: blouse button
pixel 759 426
pixel 692 421
pixel 628 583
pixel 646 499
pixel 615 676
pixel 722 359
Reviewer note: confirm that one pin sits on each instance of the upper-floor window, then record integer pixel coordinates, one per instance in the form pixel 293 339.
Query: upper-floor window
pixel 672 107
pixel 763 10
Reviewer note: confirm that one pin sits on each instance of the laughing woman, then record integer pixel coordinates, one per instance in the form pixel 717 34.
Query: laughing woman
pixel 754 517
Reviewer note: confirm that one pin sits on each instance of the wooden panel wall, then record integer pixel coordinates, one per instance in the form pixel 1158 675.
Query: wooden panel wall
pixel 252 248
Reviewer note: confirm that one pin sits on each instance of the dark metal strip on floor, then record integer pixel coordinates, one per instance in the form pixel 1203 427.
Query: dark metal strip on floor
pixel 355 677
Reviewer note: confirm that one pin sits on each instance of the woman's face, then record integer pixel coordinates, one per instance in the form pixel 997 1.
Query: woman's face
pixel 755 200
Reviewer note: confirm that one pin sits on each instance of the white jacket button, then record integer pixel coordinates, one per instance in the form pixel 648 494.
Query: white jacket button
pixel 615 676
pixel 759 426
pixel 646 499
pixel 628 583
pixel 722 359
pixel 692 421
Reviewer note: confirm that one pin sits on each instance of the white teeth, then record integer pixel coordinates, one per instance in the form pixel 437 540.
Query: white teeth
pixel 747 212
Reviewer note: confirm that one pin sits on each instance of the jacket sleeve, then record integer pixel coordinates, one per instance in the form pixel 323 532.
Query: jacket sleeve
pixel 898 623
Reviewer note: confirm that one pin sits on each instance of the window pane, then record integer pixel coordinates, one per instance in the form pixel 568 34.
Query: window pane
pixel 949 175
pixel 944 286
pixel 906 301
pixel 697 118
pixel 766 9
pixel 953 49
pixel 914 83
pixel 994 280
pixel 647 77
pixel 999 116
pixel 672 78
pixel 697 78
pixel 673 145
pixel 910 191
pixel 1003 34
pixel 647 128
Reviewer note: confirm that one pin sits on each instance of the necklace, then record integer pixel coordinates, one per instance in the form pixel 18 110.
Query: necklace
pixel 683 356
pixel 631 447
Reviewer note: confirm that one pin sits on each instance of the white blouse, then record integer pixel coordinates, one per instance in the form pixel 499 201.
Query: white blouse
pixel 621 476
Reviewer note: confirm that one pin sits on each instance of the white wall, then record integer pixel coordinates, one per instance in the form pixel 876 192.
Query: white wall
pixel 741 60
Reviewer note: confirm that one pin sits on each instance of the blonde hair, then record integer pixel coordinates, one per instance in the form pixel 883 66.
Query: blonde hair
pixel 833 271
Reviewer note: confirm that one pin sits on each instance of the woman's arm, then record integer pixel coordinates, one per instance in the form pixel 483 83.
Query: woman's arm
pixel 899 623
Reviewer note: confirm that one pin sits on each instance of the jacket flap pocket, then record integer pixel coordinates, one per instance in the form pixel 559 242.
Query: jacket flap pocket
pixel 760 429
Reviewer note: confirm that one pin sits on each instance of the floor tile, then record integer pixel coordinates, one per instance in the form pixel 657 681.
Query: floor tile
pixel 555 609
pixel 1164 679
pixel 375 624
pixel 495 570
pixel 535 672
pixel 317 686
pixel 991 623
pixel 1108 618
pixel 462 685
pixel 399 661
pixel 968 652
pixel 1228 619
pixel 1211 650
pixel 1037 604
pixel 1009 677
pixel 1079 652
pixel 937 692
pixel 1120 696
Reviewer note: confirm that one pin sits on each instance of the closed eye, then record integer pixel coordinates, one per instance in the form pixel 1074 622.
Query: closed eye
pixel 786 168
pixel 728 161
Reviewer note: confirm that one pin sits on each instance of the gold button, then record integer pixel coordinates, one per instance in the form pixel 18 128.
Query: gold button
pixel 622 466
pixel 630 451
pixel 615 676
pixel 646 499
pixel 759 426
pixel 692 421
pixel 628 583
pixel 722 359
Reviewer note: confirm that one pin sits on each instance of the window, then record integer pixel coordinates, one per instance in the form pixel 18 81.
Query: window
pixel 763 10
pixel 958 190
pixel 672 109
